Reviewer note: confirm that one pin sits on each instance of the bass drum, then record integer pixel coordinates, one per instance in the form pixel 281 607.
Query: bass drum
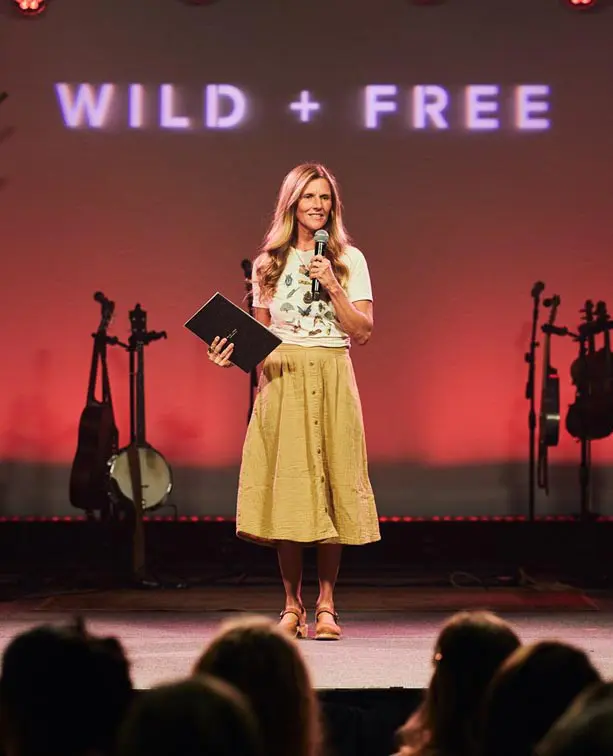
pixel 156 478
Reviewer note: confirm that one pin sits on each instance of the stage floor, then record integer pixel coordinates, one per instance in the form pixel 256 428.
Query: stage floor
pixel 383 648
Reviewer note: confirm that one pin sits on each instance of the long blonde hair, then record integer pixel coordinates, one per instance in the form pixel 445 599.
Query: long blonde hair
pixel 282 233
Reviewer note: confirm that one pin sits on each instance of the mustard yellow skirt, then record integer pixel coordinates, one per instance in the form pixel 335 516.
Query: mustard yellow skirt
pixel 304 472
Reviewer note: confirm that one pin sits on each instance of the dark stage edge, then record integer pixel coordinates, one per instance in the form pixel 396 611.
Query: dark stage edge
pixel 81 553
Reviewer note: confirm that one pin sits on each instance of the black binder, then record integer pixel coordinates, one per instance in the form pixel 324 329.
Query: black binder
pixel 221 317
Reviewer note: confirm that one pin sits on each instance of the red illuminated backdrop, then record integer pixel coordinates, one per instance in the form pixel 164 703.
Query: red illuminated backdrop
pixel 456 224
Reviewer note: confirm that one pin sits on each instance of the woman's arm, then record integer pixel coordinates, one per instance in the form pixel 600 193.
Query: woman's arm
pixel 356 318
pixel 262 315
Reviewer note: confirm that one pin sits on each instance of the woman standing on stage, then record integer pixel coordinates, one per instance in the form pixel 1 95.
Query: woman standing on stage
pixel 304 475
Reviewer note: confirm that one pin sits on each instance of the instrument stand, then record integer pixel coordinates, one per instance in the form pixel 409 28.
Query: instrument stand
pixel 139 339
pixel 247 267
pixel 585 480
pixel 585 444
pixel 530 358
pixel 576 424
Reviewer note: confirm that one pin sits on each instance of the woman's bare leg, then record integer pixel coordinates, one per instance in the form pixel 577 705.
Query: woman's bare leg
pixel 328 564
pixel 290 564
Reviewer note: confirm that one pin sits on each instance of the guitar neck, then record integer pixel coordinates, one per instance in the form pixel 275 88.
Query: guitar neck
pixel 97 352
pixel 141 438
pixel 607 358
pixel 547 342
pixel 546 359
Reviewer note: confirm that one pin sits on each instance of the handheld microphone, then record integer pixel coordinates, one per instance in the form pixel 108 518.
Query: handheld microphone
pixel 321 242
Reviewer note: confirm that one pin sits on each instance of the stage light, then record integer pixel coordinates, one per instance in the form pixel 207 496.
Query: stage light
pixel 582 5
pixel 31 7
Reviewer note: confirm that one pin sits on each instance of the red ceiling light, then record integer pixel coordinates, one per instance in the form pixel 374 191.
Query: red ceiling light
pixel 582 5
pixel 31 7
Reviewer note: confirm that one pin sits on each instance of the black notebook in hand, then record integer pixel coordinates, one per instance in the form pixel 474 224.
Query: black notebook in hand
pixel 220 317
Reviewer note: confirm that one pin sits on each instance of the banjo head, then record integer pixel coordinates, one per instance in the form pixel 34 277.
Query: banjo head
pixel 156 477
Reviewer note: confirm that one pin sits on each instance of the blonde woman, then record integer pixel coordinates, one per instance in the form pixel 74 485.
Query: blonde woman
pixel 304 475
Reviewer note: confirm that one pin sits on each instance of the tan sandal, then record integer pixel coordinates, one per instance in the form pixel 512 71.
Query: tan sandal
pixel 295 624
pixel 327 628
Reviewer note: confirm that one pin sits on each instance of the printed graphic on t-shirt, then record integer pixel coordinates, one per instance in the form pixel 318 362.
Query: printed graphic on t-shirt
pixel 299 305
pixel 295 317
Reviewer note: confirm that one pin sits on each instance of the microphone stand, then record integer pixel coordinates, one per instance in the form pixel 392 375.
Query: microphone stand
pixel 530 358
pixel 247 267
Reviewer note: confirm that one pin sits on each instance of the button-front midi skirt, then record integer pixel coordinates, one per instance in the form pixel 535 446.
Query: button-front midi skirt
pixel 304 472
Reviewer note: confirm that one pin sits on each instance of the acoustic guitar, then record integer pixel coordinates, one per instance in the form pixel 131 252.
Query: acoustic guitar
pixel 549 414
pixel 98 437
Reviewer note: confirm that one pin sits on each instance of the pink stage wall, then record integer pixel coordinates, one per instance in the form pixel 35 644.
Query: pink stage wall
pixel 154 197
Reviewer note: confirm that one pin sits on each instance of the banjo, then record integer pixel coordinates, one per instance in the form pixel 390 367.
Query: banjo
pixel 139 474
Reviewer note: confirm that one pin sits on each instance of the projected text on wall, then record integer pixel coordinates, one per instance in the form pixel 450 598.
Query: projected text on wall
pixel 423 107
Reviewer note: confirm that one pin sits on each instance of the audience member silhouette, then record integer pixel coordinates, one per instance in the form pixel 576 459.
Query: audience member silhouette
pixel 530 691
pixel 196 717
pixel 63 692
pixel 585 728
pixel 264 663
pixel 469 649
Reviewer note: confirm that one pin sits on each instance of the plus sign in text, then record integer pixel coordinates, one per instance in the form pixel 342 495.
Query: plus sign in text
pixel 422 107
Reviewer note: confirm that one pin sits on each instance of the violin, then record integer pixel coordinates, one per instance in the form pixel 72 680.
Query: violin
pixel 590 417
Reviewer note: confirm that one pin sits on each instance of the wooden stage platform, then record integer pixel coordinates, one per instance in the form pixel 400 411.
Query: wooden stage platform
pixel 389 631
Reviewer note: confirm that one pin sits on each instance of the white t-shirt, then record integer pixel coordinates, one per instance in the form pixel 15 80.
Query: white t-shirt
pixel 295 318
